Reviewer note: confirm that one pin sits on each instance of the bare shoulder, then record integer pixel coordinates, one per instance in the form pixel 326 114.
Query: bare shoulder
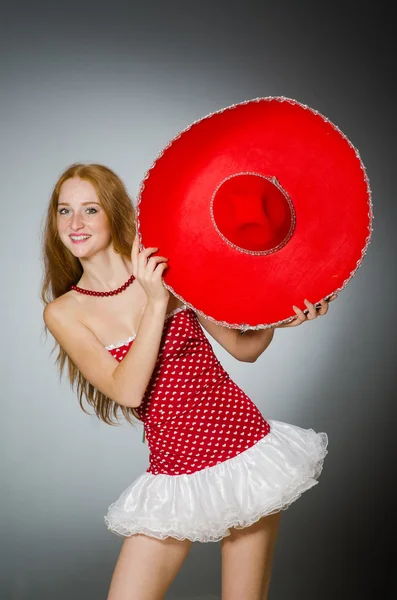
pixel 64 307
pixel 63 318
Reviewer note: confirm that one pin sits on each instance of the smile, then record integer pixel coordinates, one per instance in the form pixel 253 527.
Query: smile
pixel 78 239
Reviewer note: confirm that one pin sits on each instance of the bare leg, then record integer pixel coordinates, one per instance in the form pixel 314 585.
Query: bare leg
pixel 247 557
pixel 146 567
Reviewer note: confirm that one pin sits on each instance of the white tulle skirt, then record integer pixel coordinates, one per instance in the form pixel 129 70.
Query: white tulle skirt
pixel 203 506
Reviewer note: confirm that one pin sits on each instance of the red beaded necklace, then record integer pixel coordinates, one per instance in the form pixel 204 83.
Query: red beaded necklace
pixel 111 293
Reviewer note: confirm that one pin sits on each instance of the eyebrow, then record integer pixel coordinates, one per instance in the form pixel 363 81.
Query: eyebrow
pixel 83 203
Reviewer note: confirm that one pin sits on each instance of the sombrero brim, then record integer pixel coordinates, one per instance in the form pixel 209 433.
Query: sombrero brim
pixel 314 162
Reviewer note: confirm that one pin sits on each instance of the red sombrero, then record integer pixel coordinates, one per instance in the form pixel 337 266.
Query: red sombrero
pixel 257 206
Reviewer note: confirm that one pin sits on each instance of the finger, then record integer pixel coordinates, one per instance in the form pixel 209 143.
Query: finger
pixel 142 260
pixel 134 256
pixel 153 259
pixel 144 254
pixel 135 245
pixel 323 308
pixel 311 308
pixel 332 298
pixel 293 323
pixel 136 251
pixel 157 272
pixel 161 268
pixel 147 251
pixel 301 315
pixel 153 262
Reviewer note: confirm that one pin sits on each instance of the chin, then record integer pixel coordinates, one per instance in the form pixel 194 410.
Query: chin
pixel 77 249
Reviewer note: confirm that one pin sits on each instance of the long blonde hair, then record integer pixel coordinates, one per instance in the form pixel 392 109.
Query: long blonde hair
pixel 62 269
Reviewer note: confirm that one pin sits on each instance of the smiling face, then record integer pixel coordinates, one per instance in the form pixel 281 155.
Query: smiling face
pixel 82 223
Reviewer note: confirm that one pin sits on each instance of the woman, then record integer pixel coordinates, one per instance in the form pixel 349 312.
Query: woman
pixel 218 470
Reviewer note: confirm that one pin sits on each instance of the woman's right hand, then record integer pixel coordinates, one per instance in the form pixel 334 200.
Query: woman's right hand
pixel 149 271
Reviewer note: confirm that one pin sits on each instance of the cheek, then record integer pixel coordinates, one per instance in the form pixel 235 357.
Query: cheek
pixel 103 225
pixel 60 224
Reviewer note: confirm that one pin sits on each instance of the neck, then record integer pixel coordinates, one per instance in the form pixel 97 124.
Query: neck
pixel 105 271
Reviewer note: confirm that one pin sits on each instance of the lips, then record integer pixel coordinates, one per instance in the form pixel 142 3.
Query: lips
pixel 79 239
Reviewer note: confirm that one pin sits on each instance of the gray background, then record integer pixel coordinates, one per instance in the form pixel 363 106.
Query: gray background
pixel 112 83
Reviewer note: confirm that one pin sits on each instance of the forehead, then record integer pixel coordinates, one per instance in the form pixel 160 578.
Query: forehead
pixel 77 190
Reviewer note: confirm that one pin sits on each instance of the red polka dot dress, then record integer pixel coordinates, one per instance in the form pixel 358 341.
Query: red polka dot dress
pixel 214 461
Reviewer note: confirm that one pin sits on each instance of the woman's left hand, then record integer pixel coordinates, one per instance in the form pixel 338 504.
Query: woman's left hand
pixel 312 314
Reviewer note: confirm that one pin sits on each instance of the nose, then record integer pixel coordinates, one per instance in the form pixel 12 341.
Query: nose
pixel 77 221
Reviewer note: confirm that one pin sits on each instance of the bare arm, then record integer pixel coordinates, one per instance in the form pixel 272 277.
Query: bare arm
pixel 123 382
pixel 252 343
pixel 244 347
pixel 133 375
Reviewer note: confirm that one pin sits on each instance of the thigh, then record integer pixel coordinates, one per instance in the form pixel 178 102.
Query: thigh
pixel 146 567
pixel 247 556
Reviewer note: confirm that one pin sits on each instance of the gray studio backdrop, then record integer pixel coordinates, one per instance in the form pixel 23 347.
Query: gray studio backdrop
pixel 113 83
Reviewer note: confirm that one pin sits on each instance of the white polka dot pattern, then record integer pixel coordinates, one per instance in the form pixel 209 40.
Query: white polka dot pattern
pixel 194 415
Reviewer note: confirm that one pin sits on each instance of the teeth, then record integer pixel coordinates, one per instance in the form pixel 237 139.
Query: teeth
pixel 80 237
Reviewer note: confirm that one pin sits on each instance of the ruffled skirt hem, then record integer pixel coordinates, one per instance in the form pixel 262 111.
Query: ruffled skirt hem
pixel 203 506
